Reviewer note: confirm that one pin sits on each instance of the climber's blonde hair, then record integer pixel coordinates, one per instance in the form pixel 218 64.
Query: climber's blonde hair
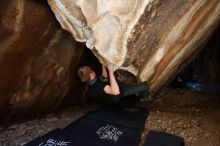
pixel 84 73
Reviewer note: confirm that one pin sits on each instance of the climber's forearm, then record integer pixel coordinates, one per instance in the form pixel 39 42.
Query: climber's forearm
pixel 113 83
pixel 104 71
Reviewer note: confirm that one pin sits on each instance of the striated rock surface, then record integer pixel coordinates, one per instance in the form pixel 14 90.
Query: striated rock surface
pixel 153 39
pixel 37 59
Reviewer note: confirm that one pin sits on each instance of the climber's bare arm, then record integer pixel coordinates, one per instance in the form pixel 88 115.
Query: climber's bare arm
pixel 113 88
pixel 104 71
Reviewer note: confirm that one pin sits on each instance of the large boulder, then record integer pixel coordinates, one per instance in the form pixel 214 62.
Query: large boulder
pixel 153 39
pixel 37 59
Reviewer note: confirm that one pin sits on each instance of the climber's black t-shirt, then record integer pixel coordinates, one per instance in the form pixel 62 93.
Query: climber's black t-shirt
pixel 97 90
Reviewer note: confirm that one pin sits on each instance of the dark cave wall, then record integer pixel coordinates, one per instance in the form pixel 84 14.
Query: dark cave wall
pixel 83 93
pixel 203 73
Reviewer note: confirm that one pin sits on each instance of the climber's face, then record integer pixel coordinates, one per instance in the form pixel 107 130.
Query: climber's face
pixel 92 74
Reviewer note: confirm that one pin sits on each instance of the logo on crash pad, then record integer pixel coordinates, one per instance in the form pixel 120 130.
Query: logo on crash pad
pixel 109 132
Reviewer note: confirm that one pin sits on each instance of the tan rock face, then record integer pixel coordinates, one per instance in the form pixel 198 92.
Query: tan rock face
pixel 37 58
pixel 153 39
pixel 103 24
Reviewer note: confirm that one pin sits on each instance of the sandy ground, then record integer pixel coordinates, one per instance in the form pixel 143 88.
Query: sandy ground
pixel 191 115
pixel 188 114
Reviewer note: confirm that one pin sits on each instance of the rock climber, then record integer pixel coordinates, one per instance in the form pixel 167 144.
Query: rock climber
pixel 107 88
